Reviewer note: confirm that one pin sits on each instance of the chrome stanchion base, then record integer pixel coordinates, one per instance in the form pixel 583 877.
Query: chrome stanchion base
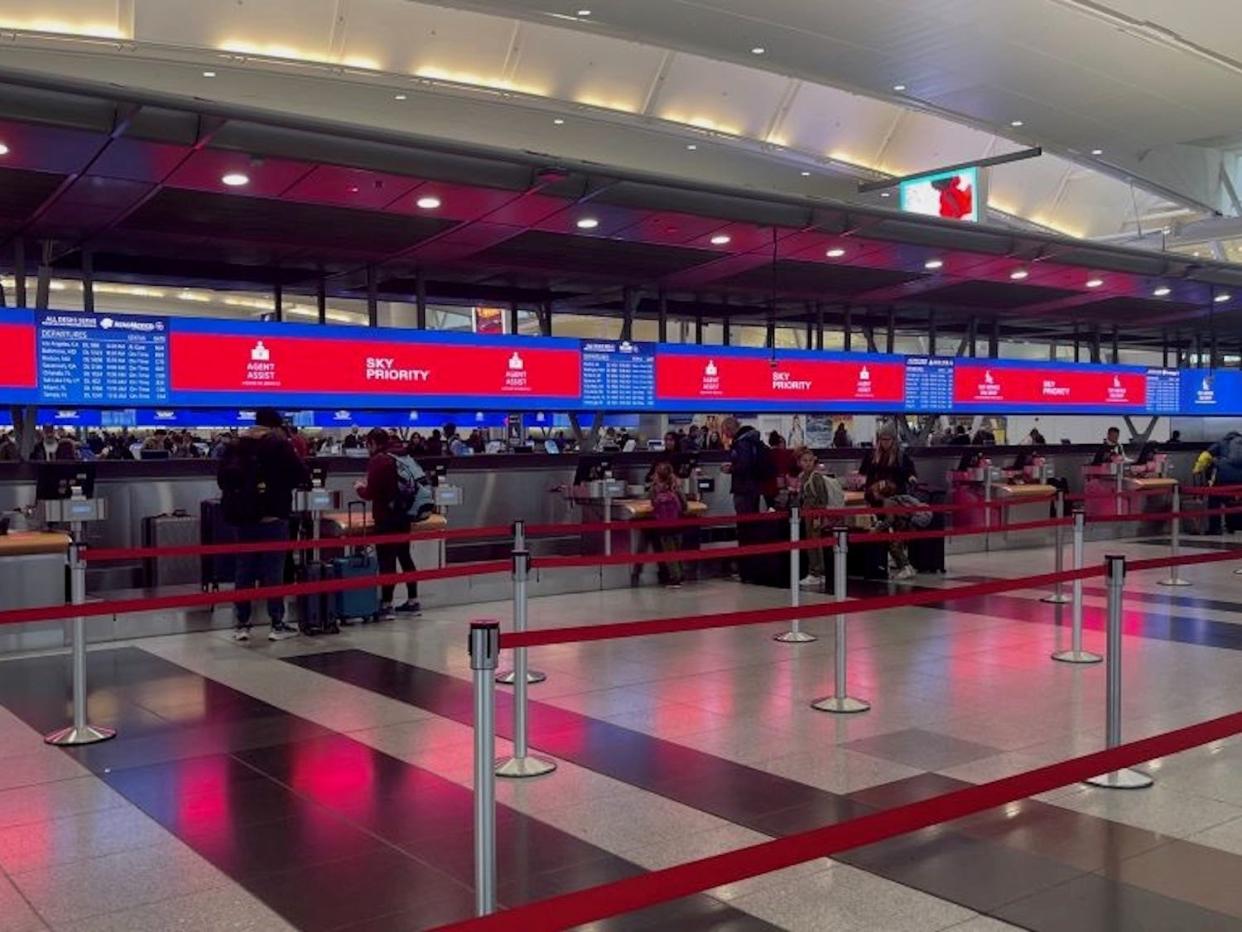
pixel 1176 582
pixel 508 677
pixel 1055 599
pixel 516 768
pixel 1077 656
pixel 87 734
pixel 1122 780
pixel 795 637
pixel 845 706
pixel 1235 573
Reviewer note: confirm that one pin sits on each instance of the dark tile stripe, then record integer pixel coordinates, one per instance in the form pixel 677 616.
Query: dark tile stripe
pixel 976 863
pixel 329 833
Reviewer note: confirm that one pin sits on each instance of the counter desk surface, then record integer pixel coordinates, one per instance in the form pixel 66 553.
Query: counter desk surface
pixel 30 543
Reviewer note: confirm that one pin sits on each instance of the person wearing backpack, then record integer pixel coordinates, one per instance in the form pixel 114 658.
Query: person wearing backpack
pixel 667 504
pixel 400 494
pixel 257 475
pixel 816 492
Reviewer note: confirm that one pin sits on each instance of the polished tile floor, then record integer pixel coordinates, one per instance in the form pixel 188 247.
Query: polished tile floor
pixel 324 784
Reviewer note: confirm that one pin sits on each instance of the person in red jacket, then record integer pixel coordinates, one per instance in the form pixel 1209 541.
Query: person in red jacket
pixel 380 488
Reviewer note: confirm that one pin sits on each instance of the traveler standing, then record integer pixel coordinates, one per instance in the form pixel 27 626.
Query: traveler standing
pixel 816 491
pixel 667 504
pixel 257 475
pixel 400 494
pixel 750 467
pixel 455 446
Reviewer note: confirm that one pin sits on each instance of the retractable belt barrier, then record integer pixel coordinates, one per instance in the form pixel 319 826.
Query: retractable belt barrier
pixel 650 889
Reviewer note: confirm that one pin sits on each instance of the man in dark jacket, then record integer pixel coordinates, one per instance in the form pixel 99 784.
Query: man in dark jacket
pixel 750 466
pixel 382 489
pixel 257 476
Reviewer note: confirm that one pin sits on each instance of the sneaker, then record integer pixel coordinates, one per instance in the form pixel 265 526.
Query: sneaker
pixel 282 632
pixel 906 572
pixel 411 608
pixel 241 634
pixel 387 613
pixel 812 582
pixel 672 585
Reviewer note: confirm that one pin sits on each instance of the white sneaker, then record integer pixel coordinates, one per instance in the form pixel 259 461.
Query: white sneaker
pixel 906 572
pixel 812 582
pixel 241 634
pixel 282 633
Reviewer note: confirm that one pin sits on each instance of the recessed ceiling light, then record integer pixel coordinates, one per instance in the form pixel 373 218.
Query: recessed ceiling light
pixel 691 146
pixel 758 50
pixel 235 179
pixel 806 174
pixel 559 122
pixel 209 74
pixel 1097 151
pixel 428 202
pixel 899 88
pixel 933 264
pixel 836 252
pixel 1221 298
pixel 721 239
pixel 4 150
pixel 1016 123
pixel 1162 291
pixel 1094 282
pixel 1018 274
pixel 886 194
pixel 398 97
pixel 584 12
pixel 588 223
pixel 353 189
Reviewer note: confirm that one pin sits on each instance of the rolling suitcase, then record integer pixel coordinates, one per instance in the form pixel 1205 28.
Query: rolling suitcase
pixel 357 604
pixel 927 555
pixel 213 529
pixel 178 529
pixel 316 612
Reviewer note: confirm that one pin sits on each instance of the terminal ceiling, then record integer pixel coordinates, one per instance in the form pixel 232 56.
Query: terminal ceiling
pixel 640 103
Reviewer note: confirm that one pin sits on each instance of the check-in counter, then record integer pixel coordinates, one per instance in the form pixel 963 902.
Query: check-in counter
pixel 971 491
pixel 1102 488
pixel 32 568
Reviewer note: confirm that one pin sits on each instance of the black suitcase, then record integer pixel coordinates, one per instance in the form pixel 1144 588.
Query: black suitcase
pixel 213 529
pixel 927 554
pixel 316 611
pixel 767 569
pixel 867 561
pixel 178 529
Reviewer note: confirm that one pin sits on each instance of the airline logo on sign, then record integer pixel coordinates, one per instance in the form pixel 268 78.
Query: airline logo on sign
pixel 1205 394
pixel 261 371
pixel 988 389
pixel 863 388
pixel 1117 391
pixel 711 379
pixel 515 377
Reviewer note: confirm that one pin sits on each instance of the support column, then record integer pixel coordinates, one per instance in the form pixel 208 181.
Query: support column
pixel 278 301
pixel 973 336
pixel 1116 345
pixel 88 281
pixel 43 281
pixel 19 272
pixel 372 297
pixel 698 328
pixel 819 325
pixel 1095 343
pixel 662 317
pixel 630 298
pixel 420 300
pixel 994 340
pixel 321 299
pixel 931 333
pixel 545 319
pixel 890 331
pixel 513 317
pixel 847 329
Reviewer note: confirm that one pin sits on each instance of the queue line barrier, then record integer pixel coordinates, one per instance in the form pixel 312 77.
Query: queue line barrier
pixel 1111 768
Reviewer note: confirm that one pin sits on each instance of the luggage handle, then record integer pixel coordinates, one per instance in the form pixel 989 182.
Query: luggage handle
pixel 349 515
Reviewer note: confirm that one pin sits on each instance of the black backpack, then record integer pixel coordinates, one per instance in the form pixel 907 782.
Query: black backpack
pixel 243 486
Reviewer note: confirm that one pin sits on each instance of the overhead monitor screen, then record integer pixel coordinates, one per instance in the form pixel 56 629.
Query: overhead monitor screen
pixel 1211 391
pixel 998 386
pixel 700 378
pixel 952 195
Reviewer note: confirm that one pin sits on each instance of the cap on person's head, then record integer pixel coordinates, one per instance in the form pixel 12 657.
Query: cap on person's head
pixel 268 417
pixel 378 436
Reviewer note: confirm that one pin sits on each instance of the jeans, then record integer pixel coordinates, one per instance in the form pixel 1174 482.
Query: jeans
pixel 390 556
pixel 748 568
pixel 265 568
pixel 815 557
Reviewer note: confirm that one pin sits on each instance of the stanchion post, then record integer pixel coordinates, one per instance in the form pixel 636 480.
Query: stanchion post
pixel 1125 779
pixel 840 701
pixel 521 578
pixel 795 634
pixel 484 648
pixel 1175 543
pixel 1058 596
pixel 81 731
pixel 1076 654
pixel 522 763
